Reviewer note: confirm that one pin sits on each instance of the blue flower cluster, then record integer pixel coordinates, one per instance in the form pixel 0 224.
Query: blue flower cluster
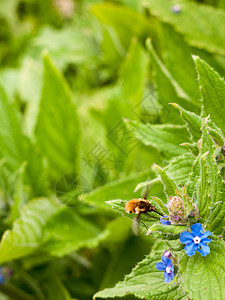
pixel 195 241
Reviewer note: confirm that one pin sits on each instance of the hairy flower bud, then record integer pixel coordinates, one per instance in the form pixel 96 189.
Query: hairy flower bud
pixel 176 210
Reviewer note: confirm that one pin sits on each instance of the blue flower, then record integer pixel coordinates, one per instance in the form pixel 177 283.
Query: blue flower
pixel 2 279
pixel 196 240
pixel 164 220
pixel 166 266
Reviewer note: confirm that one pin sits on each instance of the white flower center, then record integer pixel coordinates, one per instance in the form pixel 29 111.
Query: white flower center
pixel 197 240
pixel 168 270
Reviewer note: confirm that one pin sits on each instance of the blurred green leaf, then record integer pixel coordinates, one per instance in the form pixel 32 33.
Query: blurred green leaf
pixel 168 90
pixel 55 290
pixel 125 258
pixel 57 128
pixel 112 50
pixel 124 20
pixel 27 232
pixel 132 83
pixel 121 188
pixel 135 4
pixel 206 32
pixel 9 81
pixel 30 83
pixel 176 55
pixel 66 231
pixel 16 148
pixel 65 46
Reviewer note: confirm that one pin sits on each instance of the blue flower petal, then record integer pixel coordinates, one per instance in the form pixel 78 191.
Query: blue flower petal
pixel 160 266
pixel 197 229
pixel 204 250
pixel 206 241
pixel 164 220
pixel 166 261
pixel 204 237
pixel 172 274
pixel 186 237
pixel 167 277
pixel 205 234
pixel 190 249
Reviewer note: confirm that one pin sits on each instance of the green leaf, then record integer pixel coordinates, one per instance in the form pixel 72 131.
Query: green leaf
pixel 192 147
pixel 17 148
pixel 20 193
pixel 206 146
pixel 203 188
pixel 176 55
pixel 177 90
pixel 169 185
pixel 166 138
pixel 201 32
pixel 112 50
pixel 213 92
pixel 216 182
pixel 216 135
pixel 203 277
pixel 124 20
pixel 132 250
pixel 132 83
pixel 57 128
pixel 54 289
pixel 27 232
pixel 70 46
pixel 180 167
pixel 121 188
pixel 210 187
pixel 144 282
pixel 66 231
pixel 135 5
pixel 193 122
pixel 168 232
pixel 168 90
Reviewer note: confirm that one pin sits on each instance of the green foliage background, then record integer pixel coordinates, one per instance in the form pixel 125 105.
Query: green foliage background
pixel 90 99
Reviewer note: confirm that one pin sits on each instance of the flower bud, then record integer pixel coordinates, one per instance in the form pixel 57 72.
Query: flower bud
pixel 176 210
pixel 167 254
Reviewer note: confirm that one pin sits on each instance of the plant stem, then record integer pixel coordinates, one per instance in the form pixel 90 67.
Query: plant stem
pixel 33 285
pixel 14 293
